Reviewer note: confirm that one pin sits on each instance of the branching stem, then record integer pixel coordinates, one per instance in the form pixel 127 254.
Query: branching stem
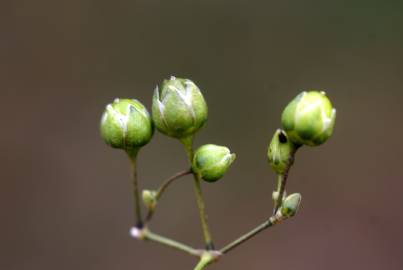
pixel 188 144
pixel 282 181
pixel 146 234
pixel 206 259
pixel 267 224
pixel 162 189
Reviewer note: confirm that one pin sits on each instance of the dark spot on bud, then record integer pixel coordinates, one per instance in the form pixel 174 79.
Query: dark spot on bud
pixel 282 138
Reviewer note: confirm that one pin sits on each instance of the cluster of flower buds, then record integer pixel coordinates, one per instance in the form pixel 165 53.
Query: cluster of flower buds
pixel 178 110
pixel 307 120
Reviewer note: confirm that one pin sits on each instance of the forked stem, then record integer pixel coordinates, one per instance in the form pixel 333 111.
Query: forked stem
pixel 282 180
pixel 146 234
pixel 162 189
pixel 206 259
pixel 188 144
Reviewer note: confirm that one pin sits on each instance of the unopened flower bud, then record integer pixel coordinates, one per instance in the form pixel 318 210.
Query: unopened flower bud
pixel 309 118
pixel 280 152
pixel 126 124
pixel 149 198
pixel 212 161
pixel 290 205
pixel 179 109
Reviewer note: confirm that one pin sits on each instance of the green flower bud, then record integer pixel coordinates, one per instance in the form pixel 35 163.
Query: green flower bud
pixel 309 118
pixel 280 152
pixel 179 109
pixel 149 198
pixel 211 161
pixel 290 205
pixel 126 124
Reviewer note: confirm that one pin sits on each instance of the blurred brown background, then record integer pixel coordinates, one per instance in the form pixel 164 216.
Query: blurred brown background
pixel 65 197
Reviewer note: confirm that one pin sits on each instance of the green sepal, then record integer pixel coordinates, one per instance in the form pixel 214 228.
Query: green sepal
pixel 126 124
pixel 211 161
pixel 280 152
pixel 179 109
pixel 309 118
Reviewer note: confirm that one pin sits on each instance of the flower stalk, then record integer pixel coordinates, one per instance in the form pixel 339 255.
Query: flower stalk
pixel 180 111
pixel 188 144
pixel 146 234
pixel 282 181
pixel 162 189
pixel 136 191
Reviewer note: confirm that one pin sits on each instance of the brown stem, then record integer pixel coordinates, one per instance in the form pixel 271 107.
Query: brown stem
pixel 162 189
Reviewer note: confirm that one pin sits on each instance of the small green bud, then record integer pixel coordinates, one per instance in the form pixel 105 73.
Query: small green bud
pixel 211 161
pixel 126 124
pixel 280 152
pixel 149 198
pixel 179 109
pixel 290 205
pixel 309 118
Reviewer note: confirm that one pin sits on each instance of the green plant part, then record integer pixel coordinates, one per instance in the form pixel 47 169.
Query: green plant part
pixel 309 118
pixel 280 152
pixel 179 109
pixel 126 124
pixel 149 198
pixel 275 195
pixel 290 205
pixel 211 161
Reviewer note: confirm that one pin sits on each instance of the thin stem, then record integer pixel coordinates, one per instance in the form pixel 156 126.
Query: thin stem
pixel 170 180
pixel 282 180
pixel 136 193
pixel 162 189
pixel 202 213
pixel 268 223
pixel 153 237
pixel 188 144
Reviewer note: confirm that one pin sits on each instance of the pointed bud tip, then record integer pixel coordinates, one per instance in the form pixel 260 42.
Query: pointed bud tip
pixel 291 205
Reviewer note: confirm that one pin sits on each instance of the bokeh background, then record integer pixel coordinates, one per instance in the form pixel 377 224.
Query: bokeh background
pixel 65 198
